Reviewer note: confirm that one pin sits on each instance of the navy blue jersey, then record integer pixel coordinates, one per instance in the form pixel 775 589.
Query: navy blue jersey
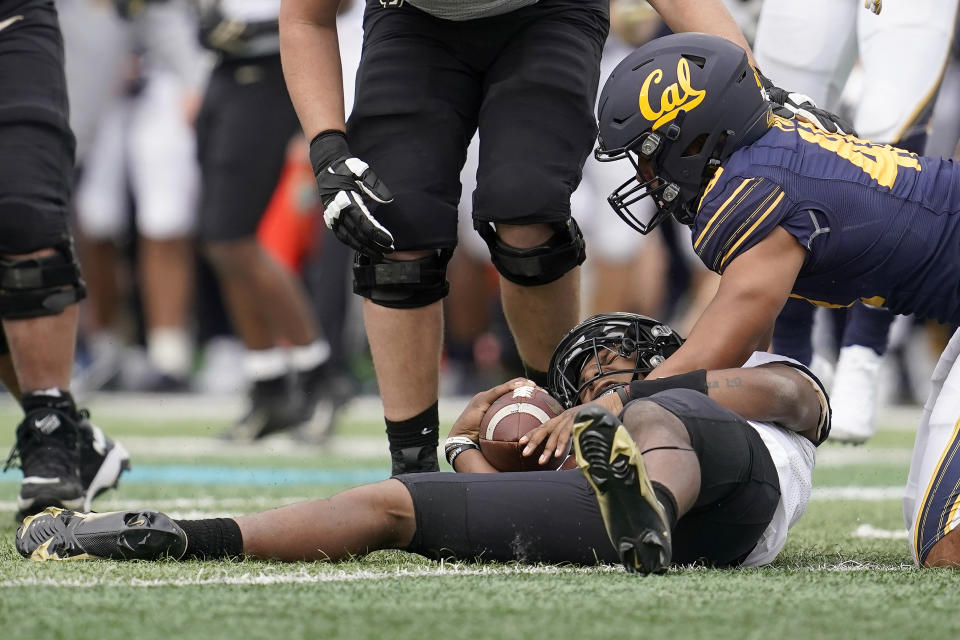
pixel 880 224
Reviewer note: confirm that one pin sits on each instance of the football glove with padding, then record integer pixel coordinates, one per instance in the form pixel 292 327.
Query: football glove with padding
pixel 800 106
pixel 349 189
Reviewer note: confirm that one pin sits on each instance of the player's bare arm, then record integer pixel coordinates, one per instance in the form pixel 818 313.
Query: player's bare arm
pixel 705 16
pixel 310 53
pixel 737 321
pixel 772 392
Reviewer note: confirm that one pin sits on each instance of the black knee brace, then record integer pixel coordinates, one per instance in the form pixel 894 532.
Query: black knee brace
pixel 537 265
pixel 40 286
pixel 407 284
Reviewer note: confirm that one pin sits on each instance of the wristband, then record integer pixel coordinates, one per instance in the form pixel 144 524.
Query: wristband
pixel 694 380
pixel 327 146
pixel 455 445
pixel 456 451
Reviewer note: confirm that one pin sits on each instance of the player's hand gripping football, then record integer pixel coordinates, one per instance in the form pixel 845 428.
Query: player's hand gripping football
pixel 349 189
pixel 802 107
pixel 468 424
pixel 557 432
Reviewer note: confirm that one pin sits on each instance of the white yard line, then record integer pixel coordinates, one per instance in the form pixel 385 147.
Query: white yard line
pixel 871 532
pixel 188 406
pixel 277 446
pixel 184 406
pixel 205 577
pixel 859 456
pixel 305 576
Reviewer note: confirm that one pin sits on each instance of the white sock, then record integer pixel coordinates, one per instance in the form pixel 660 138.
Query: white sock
pixel 170 352
pixel 264 364
pixel 309 356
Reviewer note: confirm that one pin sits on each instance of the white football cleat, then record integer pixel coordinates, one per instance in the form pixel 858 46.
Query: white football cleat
pixel 854 396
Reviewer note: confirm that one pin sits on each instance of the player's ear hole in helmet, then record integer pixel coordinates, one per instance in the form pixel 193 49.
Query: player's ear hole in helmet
pixel 645 341
pixel 676 108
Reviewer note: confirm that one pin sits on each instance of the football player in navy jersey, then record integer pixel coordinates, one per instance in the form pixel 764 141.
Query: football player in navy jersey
pixel 782 209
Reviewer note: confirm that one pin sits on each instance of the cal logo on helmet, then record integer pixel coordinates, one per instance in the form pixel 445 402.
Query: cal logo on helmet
pixel 676 97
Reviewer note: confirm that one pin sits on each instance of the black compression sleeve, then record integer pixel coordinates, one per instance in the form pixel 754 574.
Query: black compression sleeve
pixel 695 380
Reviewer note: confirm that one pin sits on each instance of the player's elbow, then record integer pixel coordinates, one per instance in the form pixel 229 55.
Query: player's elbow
pixel 798 408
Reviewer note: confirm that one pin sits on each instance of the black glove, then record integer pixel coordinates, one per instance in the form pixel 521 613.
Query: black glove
pixel 347 185
pixel 797 106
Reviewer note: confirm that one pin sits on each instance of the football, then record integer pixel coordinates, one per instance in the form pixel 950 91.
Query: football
pixel 511 416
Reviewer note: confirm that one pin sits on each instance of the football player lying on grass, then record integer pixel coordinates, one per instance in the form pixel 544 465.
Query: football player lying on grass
pixel 706 466
pixel 782 209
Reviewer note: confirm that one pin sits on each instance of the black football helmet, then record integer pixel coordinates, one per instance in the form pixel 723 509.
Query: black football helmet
pixel 684 103
pixel 631 335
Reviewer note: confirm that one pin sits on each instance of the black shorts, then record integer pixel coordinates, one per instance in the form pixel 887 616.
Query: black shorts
pixel 36 145
pixel 527 78
pixel 243 129
pixel 553 517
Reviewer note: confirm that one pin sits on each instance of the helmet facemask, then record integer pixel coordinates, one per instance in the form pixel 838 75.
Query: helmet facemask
pixel 644 341
pixel 665 193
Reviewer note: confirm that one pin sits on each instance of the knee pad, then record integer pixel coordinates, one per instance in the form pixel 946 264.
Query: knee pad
pixel 406 284
pixel 538 265
pixel 40 286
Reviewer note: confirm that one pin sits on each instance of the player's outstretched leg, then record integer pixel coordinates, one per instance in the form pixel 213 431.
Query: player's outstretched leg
pixel 58 534
pixel 613 466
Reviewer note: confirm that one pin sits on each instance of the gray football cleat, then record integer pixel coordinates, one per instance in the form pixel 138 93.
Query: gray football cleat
pixel 58 534
pixel 613 466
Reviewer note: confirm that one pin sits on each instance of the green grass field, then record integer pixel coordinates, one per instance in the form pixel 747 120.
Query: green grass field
pixel 846 571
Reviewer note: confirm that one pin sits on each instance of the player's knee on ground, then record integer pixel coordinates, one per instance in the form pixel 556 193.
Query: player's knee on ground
pixel 405 280
pixel 650 425
pixel 40 283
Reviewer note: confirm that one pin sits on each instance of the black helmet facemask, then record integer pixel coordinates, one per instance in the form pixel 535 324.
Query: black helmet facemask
pixel 645 341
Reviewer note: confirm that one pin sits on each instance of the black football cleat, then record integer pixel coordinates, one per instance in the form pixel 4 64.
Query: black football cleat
pixel 58 534
pixel 102 460
pixel 632 515
pixel 48 454
pixel 275 405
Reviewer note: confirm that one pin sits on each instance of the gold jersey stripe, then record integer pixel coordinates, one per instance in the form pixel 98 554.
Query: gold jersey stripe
pixel 750 230
pixel 710 185
pixel 934 484
pixel 696 245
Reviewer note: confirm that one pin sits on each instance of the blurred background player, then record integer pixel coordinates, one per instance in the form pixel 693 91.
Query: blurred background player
pixel 902 54
pixel 139 149
pixel 244 128
pixel 65 460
